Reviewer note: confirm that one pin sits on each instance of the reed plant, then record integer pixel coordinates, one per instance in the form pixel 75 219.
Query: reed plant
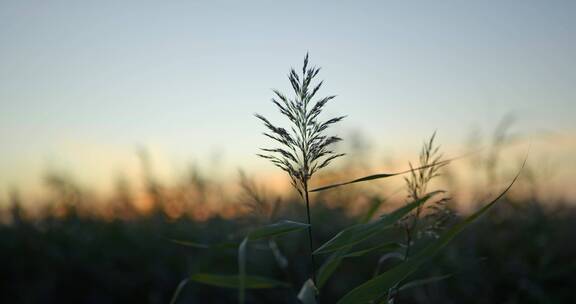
pixel 303 148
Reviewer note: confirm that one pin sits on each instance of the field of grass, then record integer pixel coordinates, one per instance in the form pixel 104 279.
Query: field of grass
pixel 519 253
pixel 334 243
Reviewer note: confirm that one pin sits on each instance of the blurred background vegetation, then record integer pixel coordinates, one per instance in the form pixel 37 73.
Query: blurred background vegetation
pixel 86 219
pixel 82 248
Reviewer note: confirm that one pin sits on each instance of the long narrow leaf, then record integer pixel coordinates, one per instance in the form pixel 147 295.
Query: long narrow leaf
pixel 374 206
pixel 378 176
pixel 426 281
pixel 281 260
pixel 360 232
pixel 179 290
pixel 233 281
pixel 336 258
pixel 365 251
pixel 189 244
pixel 242 270
pixel 307 294
pixel 185 243
pixel 331 264
pixel 329 267
pixel 276 229
pixel 264 232
pixel 379 285
pixel 385 175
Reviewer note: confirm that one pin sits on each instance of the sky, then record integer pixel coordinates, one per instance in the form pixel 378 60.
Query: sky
pixel 83 84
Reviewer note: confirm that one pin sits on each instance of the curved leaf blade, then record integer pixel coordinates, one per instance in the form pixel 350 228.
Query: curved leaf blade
pixel 379 176
pixel 178 290
pixel 381 247
pixel 360 232
pixel 185 243
pixel 307 294
pixel 276 229
pixel 233 281
pixel 374 206
pixel 242 271
pixel 328 268
pixel 379 285
pixel 422 282
pixel 332 263
pixel 189 244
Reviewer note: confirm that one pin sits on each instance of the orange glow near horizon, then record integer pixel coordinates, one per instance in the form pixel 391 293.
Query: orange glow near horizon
pixel 219 195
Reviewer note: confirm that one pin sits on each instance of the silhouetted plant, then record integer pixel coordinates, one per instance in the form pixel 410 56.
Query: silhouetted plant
pixel 430 160
pixel 303 148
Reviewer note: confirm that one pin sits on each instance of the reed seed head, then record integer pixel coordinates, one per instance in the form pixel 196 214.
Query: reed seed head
pixel 303 148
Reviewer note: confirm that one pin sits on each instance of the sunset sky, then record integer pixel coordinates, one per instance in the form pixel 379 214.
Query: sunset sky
pixel 83 84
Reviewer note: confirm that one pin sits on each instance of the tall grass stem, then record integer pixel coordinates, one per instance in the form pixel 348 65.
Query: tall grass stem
pixel 310 241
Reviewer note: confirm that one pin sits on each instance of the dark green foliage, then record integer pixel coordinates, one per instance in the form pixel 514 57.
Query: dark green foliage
pixel 233 281
pixel 379 286
pixel 520 252
pixel 276 229
pixel 360 232
pixel 117 261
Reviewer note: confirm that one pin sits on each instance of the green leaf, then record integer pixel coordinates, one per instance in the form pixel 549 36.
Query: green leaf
pixel 381 247
pixel 422 282
pixel 242 270
pixel 242 281
pixel 374 205
pixel 190 244
pixel 335 259
pixel 233 281
pixel 328 268
pixel 351 236
pixel 379 176
pixel 379 285
pixel 178 291
pixel 331 264
pixel 281 260
pixel 307 294
pixel 276 229
pixel 264 232
pixel 204 246
pixel 360 232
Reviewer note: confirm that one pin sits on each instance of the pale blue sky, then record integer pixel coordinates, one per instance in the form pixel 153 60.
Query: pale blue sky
pixel 83 82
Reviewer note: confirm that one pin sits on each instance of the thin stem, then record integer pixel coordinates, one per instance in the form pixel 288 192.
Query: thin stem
pixel 408 243
pixel 310 244
pixel 410 231
pixel 394 294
